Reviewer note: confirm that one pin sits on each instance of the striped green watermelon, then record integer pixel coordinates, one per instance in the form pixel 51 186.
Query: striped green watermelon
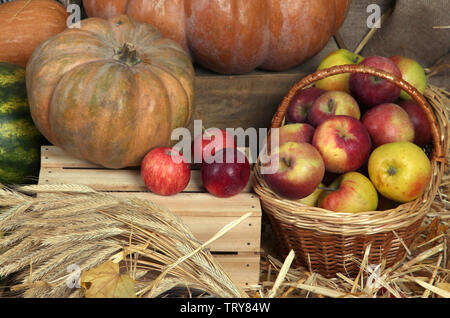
pixel 20 140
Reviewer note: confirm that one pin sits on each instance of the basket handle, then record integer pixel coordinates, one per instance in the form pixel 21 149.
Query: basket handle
pixel 277 120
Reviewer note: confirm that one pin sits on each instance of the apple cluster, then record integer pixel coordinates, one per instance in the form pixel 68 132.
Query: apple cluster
pixel 352 142
pixel 225 171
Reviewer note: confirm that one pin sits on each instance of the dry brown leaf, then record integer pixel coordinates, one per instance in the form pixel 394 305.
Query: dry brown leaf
pixel 442 229
pixel 433 229
pixel 105 281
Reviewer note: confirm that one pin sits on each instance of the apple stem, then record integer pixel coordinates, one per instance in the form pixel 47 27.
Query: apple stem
pixel 331 106
pixel 392 171
pixel 326 189
pixel 286 162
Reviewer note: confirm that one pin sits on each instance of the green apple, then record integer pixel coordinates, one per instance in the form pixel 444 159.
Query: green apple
pixel 313 198
pixel 400 171
pixel 412 72
pixel 337 82
pixel 352 192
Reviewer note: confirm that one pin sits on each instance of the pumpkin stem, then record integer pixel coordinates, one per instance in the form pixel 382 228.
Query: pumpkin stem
pixel 127 54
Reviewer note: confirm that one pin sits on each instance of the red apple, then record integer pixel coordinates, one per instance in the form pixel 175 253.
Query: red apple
pixel 165 171
pixel 422 130
pixel 209 142
pixel 412 72
pixel 371 90
pixel 388 123
pixel 352 192
pixel 296 132
pixel 299 106
pixel 331 104
pixel 300 170
pixel 227 175
pixel 343 142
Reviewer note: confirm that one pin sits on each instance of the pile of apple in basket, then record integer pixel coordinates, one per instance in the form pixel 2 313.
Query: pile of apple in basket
pixel 353 142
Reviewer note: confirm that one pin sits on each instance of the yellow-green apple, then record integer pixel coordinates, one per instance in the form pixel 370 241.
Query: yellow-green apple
pixel 299 132
pixel 300 104
pixel 313 198
pixel 343 142
pixel 400 171
pixel 300 170
pixel 337 82
pixel 331 104
pixel 351 192
pixel 371 90
pixel 422 130
pixel 412 72
pixel 388 123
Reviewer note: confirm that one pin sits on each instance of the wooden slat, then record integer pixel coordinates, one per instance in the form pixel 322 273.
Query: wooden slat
pixel 245 237
pixel 55 157
pixel 114 180
pixel 205 215
pixel 202 204
pixel 243 268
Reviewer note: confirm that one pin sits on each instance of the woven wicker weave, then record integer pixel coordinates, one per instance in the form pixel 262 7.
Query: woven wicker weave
pixel 328 242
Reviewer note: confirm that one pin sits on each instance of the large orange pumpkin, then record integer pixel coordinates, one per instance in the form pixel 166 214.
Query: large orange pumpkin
pixel 110 91
pixel 237 36
pixel 25 24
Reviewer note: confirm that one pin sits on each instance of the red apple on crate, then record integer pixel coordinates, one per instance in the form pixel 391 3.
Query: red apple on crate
pixel 371 90
pixel 300 104
pixel 300 170
pixel 412 72
pixel 422 129
pixel 209 142
pixel 165 171
pixel 400 171
pixel 352 192
pixel 299 132
pixel 227 175
pixel 332 104
pixel 337 82
pixel 388 123
pixel 343 142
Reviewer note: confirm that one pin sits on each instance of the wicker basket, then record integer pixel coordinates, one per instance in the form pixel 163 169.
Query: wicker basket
pixel 327 242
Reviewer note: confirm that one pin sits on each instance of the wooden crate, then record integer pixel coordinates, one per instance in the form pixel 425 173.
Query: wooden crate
pixel 237 251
